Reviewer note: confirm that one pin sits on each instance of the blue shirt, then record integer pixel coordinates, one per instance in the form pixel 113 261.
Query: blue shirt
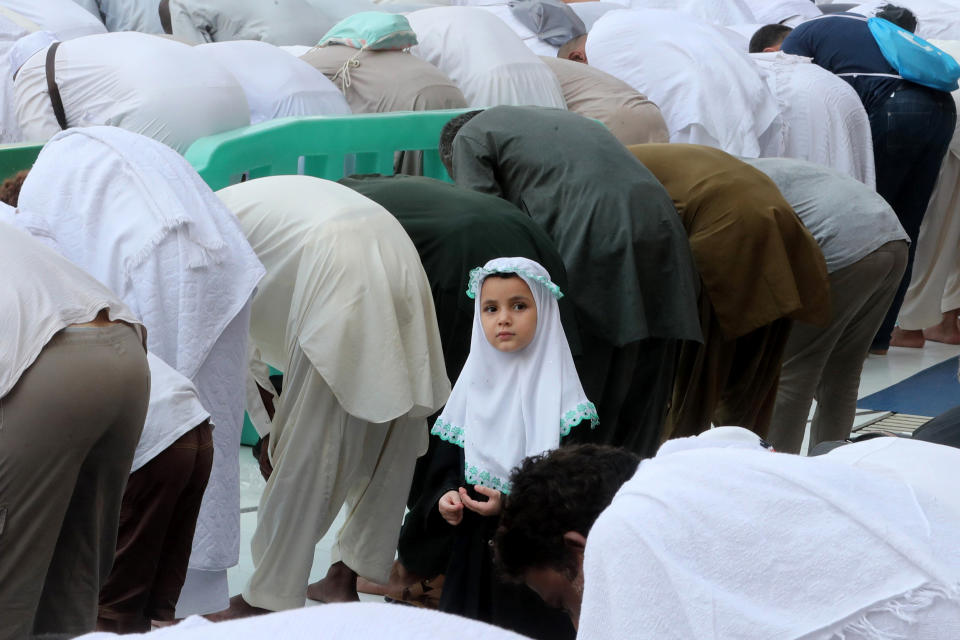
pixel 842 45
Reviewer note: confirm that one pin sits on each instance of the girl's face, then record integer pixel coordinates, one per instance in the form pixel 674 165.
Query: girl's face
pixel 508 313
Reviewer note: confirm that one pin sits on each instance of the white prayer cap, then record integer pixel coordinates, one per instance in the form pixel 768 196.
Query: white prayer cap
pixel 27 46
pixel 717 438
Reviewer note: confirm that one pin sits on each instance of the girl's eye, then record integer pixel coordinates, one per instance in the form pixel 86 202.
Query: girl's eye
pixel 520 306
pixel 490 309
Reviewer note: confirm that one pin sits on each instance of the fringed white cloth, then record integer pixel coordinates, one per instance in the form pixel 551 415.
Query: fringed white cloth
pixel 709 92
pixel 277 85
pixel 822 117
pixel 484 57
pixel 731 543
pixel 109 200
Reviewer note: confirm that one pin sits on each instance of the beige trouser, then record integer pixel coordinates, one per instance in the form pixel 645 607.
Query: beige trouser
pixel 322 458
pixel 68 431
pixel 826 363
pixel 935 284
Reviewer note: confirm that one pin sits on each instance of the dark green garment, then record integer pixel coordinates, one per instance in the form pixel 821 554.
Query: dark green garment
pixel 454 230
pixel 627 256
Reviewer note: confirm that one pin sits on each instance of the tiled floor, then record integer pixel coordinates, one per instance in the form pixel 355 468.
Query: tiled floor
pixel 879 373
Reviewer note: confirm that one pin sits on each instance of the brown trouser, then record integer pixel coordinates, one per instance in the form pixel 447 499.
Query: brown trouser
pixel 826 363
pixel 68 431
pixel 157 520
pixel 727 382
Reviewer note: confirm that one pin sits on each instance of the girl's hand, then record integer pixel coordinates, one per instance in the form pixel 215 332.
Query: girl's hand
pixel 451 508
pixel 490 507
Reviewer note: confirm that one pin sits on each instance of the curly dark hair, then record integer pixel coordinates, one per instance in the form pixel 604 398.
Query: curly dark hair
pixel 769 35
pixel 553 493
pixel 10 189
pixel 449 132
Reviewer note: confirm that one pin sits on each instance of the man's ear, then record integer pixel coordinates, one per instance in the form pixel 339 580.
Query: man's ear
pixel 578 55
pixel 575 542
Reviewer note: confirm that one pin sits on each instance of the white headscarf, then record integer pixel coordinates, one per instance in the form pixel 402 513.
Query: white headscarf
pixel 507 406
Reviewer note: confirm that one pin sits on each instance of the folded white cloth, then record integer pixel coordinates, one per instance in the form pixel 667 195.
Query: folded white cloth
pixel 713 543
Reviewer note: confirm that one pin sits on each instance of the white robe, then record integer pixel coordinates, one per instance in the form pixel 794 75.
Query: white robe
pixel 775 11
pixel 501 9
pixel 126 15
pixel 736 543
pixel 822 117
pixel 154 86
pixel 137 217
pixel 719 12
pixel 709 92
pixel 17 19
pixel 277 85
pixel 484 58
pixel 279 22
pixel 361 620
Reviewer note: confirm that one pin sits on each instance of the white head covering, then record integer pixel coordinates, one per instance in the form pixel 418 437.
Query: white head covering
pixel 716 438
pixel 507 406
pixel 24 48
pixel 136 216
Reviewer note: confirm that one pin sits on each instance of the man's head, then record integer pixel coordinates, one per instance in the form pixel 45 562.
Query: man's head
pixel 769 38
pixel 554 501
pixel 447 135
pixel 900 16
pixel 10 189
pixel 575 49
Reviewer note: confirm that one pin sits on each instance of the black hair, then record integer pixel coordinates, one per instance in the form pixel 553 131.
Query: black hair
pixel 553 493
pixel 900 16
pixel 769 35
pixel 447 135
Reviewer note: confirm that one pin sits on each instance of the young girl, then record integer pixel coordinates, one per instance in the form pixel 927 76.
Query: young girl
pixel 517 396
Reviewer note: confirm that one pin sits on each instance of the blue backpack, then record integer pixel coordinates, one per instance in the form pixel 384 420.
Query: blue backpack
pixel 914 58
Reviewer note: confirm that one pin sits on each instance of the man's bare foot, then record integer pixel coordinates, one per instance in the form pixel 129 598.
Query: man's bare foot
pixel 399 579
pixel 948 331
pixel 239 608
pixel 910 338
pixel 340 585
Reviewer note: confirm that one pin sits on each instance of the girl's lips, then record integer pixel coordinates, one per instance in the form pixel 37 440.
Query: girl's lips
pixel 504 334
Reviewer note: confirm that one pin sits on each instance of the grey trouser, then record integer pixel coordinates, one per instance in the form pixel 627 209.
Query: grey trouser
pixel 68 431
pixel 826 363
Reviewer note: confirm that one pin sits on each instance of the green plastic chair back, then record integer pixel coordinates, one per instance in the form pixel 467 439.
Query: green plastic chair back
pixel 325 147
pixel 16 157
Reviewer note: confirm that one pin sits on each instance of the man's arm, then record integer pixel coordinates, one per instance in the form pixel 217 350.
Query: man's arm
pixel 474 165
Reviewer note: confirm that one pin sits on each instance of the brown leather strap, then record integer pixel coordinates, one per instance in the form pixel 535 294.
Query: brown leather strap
pixel 52 87
pixel 165 20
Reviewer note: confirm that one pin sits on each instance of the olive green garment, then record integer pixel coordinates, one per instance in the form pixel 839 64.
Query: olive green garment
pixel 627 256
pixel 757 261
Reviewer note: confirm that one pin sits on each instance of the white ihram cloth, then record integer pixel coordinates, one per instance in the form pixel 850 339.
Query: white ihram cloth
pixel 822 117
pixel 592 10
pixel 720 12
pixel 935 284
pixel 484 58
pixel 135 215
pixel 279 22
pixel 126 15
pixel 363 620
pixel 19 18
pixel 777 11
pixel 936 19
pixel 507 406
pixel 174 409
pixel 708 92
pixel 154 86
pixel 328 291
pixel 277 84
pixel 735 543
pixel 501 9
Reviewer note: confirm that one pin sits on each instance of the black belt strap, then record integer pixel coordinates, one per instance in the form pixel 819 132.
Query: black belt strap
pixel 52 87
pixel 165 21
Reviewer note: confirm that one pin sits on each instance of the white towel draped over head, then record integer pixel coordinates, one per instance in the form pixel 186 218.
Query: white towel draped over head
pixel 108 199
pixel 507 406
pixel 709 92
pixel 484 57
pixel 729 542
pixel 345 284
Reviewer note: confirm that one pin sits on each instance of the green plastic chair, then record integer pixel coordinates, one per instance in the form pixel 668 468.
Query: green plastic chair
pixel 16 157
pixel 325 147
